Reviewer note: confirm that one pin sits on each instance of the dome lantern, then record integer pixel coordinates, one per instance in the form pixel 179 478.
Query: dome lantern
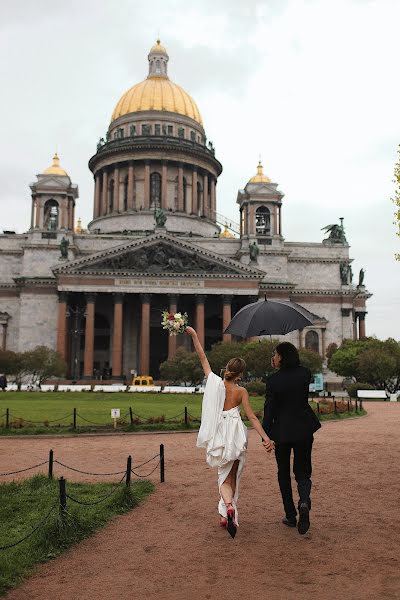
pixel 260 177
pixel 55 168
pixel 158 61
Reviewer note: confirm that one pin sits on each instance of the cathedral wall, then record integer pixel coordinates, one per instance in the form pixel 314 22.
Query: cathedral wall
pixel 314 275
pixel 11 305
pixel 332 312
pixel 38 262
pixel 307 250
pixel 10 267
pixel 38 321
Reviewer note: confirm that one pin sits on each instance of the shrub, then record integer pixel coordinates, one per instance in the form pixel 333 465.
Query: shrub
pixel 255 388
pixel 353 387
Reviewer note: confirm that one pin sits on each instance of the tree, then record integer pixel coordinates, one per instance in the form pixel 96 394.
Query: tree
pixel 396 198
pixel 331 349
pixel 258 357
pixel 311 359
pixel 184 366
pixel 222 352
pixel 7 362
pixel 44 363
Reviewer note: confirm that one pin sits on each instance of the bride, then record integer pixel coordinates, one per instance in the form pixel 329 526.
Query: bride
pixel 223 433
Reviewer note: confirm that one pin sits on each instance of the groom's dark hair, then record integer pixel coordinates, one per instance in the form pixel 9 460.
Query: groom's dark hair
pixel 289 354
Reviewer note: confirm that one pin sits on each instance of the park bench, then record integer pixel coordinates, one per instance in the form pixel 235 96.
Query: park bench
pixel 178 389
pixel 372 394
pixel 109 388
pixel 144 388
pixel 74 388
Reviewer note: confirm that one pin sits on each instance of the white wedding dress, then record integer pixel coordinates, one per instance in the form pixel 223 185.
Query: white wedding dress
pixel 224 436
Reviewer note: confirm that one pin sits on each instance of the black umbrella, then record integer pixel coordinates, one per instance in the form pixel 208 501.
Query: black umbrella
pixel 269 317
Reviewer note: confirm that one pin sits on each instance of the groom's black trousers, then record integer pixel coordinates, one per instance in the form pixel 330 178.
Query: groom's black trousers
pixel 302 471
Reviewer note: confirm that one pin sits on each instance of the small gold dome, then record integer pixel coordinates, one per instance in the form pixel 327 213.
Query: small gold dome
pixel 78 228
pixel 157 92
pixel 226 233
pixel 260 177
pixel 55 168
pixel 158 48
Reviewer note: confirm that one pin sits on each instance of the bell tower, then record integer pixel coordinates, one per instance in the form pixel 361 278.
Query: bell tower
pixel 260 209
pixel 53 200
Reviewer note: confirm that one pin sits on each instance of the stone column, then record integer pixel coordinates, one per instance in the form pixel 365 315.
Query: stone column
pixel 252 217
pixel 361 325
pixel 130 187
pixel 104 194
pixel 4 337
pixel 89 337
pixel 146 204
pixel 280 219
pixel 194 192
pixel 275 230
pixel 144 360
pixel 200 315
pixel 117 336
pixel 62 325
pixel 213 200
pixel 323 343
pixel 37 216
pixel 71 215
pixel 97 199
pixel 245 220
pixel 116 190
pixel 33 213
pixel 164 175
pixel 354 326
pixel 180 188
pixel 173 304
pixel 226 317
pixel 205 208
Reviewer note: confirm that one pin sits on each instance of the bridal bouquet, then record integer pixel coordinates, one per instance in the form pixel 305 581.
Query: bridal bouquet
pixel 174 323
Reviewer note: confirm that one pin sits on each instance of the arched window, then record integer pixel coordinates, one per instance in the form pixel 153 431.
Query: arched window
pixel 199 198
pixel 184 193
pixel 176 193
pixel 263 221
pixel 312 341
pixel 158 66
pixel 126 193
pixel 111 196
pixel 155 190
pixel 51 215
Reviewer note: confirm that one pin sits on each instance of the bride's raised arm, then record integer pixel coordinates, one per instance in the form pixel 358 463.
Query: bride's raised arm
pixel 199 349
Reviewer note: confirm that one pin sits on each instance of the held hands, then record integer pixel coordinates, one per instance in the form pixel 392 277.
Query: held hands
pixel 269 445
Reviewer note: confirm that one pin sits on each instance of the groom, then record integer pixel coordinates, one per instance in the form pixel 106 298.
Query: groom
pixel 290 422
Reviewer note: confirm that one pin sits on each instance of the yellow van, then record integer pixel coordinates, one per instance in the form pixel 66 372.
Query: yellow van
pixel 142 381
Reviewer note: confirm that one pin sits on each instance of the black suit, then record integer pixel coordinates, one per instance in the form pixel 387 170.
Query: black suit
pixel 290 422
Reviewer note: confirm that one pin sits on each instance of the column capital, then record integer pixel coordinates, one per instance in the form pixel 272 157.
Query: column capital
pixel 90 297
pixel 173 298
pixel 361 314
pixel 145 298
pixel 200 299
pixel 227 298
pixel 62 296
pixel 118 297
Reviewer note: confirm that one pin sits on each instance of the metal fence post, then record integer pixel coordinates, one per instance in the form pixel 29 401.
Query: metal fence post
pixel 356 405
pixel 74 418
pixel 360 403
pixel 348 406
pixel 51 460
pixel 130 414
pixel 335 407
pixel 128 470
pixel 162 464
pixel 318 407
pixel 7 418
pixel 186 415
pixel 63 497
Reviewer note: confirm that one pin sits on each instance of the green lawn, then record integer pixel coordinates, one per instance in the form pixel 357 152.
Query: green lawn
pixel 23 505
pixel 41 412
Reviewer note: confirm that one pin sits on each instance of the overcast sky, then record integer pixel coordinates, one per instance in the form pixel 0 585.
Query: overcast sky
pixel 311 86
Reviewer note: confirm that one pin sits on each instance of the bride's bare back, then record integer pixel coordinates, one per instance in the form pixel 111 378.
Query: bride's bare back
pixel 233 395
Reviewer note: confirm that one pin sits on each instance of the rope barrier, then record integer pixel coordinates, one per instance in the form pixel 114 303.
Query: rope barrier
pixel 87 472
pixel 148 474
pixel 22 470
pixel 147 461
pixel 90 422
pixel 31 532
pixel 82 503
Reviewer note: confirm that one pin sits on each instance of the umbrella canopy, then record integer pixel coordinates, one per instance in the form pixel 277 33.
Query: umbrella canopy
pixel 269 317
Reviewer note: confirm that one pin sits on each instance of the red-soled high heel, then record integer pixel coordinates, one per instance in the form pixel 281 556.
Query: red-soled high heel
pixel 223 522
pixel 231 526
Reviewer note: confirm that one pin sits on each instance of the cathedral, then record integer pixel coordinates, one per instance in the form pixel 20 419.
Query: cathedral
pixel 156 241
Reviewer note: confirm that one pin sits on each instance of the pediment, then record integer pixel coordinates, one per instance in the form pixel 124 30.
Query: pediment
pixel 49 182
pixel 159 254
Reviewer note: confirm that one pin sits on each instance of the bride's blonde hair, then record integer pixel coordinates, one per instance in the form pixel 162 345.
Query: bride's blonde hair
pixel 234 369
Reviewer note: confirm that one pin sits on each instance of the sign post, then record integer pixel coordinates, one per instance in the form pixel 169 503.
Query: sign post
pixel 115 414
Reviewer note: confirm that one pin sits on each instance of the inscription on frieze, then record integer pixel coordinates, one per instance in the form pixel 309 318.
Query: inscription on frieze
pixel 149 282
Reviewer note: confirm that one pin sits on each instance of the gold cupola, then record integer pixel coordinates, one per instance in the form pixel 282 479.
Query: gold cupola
pixel 157 92
pixel 260 177
pixel 55 168
pixel 226 234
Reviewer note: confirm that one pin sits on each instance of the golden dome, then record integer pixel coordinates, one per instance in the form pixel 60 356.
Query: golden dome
pixel 78 228
pixel 260 177
pixel 226 233
pixel 157 92
pixel 55 168
pixel 158 48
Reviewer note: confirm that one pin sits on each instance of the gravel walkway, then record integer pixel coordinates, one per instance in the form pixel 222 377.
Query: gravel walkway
pixel 171 548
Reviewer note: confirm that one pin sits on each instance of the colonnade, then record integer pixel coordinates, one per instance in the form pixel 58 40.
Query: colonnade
pixel 205 205
pixel 118 333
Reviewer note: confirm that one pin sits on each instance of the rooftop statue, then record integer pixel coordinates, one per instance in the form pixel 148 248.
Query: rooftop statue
pixel 64 247
pixel 254 251
pixel 336 233
pixel 160 217
pixel 361 278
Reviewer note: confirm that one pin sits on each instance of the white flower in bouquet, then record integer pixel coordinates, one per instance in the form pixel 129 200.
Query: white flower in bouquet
pixel 174 323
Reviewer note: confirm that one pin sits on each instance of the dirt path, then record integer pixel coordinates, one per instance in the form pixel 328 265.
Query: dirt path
pixel 171 548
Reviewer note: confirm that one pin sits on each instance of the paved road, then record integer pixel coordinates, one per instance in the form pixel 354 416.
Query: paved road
pixel 171 548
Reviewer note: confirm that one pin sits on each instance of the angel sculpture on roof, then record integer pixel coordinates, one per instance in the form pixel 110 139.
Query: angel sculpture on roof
pixel 336 233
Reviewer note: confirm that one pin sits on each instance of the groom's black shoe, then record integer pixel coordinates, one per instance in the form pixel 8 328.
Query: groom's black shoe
pixel 289 522
pixel 304 518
